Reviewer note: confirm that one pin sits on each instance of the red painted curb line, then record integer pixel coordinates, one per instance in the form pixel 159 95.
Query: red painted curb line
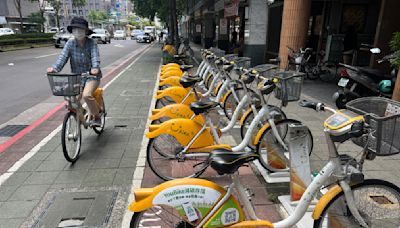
pixel 32 126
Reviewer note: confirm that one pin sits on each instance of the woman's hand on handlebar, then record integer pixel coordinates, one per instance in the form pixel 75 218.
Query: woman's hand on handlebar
pixel 94 71
pixel 51 70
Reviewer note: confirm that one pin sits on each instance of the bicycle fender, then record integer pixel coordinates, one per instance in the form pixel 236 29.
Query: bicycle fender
pixel 171 73
pixel 172 81
pixel 174 111
pixel 147 197
pixel 223 99
pixel 177 94
pixel 175 193
pixel 182 130
pixel 325 199
pixel 264 128
pixel 245 114
pixel 170 65
pixel 167 68
pixel 216 89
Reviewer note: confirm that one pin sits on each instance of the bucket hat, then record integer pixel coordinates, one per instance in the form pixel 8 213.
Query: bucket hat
pixel 78 22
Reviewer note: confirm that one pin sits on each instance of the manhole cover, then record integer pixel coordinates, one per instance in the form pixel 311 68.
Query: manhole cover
pixel 11 130
pixel 77 209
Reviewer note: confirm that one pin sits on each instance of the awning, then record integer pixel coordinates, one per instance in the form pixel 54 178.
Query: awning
pixel 3 20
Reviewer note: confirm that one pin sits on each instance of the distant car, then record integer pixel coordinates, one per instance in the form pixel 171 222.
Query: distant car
pixel 53 30
pixel 101 35
pixel 143 38
pixel 6 31
pixel 61 38
pixel 119 35
pixel 135 32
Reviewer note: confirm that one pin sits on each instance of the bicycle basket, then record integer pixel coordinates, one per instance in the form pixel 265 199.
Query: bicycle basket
pixel 65 85
pixel 383 117
pixel 289 85
pixel 231 57
pixel 218 52
pixel 266 70
pixel 242 62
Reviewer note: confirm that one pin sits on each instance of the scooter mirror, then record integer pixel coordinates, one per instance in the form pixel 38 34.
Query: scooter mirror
pixel 375 50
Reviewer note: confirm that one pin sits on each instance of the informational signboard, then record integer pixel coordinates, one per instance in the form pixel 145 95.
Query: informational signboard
pixel 300 173
pixel 223 26
pixel 198 28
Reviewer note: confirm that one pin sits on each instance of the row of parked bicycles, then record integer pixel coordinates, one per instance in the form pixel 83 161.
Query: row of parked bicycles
pixel 185 143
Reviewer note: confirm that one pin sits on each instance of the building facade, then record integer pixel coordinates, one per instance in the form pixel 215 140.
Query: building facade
pixel 9 16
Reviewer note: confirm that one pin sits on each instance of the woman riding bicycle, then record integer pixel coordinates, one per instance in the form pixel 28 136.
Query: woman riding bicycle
pixel 84 57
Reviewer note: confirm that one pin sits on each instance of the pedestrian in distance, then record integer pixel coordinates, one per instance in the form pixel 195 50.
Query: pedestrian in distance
pixel 84 57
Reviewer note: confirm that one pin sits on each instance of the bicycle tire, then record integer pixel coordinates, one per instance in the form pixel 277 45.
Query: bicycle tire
pixel 65 137
pixel 154 217
pixel 277 165
pixel 249 118
pixel 384 203
pixel 230 103
pixel 100 129
pixel 163 102
pixel 162 159
pixel 207 82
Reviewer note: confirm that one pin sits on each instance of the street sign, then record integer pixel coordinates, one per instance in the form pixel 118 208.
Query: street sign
pixel 117 5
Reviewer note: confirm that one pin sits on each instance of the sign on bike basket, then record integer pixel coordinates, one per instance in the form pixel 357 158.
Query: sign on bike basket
pixel 343 82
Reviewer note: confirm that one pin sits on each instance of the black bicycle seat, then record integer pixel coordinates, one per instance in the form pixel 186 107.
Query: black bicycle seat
pixel 186 67
pixel 199 107
pixel 227 162
pixel 188 81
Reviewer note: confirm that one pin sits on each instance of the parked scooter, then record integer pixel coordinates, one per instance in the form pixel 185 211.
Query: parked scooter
pixel 356 82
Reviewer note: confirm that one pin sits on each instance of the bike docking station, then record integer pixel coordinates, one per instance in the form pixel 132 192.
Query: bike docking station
pixel 300 174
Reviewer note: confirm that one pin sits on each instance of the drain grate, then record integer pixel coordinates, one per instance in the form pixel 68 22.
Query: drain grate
pixel 78 209
pixel 11 130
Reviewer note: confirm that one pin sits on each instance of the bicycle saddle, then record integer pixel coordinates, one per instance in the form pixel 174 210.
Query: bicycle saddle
pixel 199 107
pixel 186 67
pixel 188 81
pixel 227 162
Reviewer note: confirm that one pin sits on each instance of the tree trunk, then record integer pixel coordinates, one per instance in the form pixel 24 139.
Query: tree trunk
pixel 175 24
pixel 396 90
pixel 17 4
pixel 171 24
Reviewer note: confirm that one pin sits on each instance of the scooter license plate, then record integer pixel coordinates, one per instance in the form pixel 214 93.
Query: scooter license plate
pixel 343 82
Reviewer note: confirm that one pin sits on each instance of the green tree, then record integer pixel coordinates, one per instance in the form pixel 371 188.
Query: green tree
pixel 97 16
pixel 37 18
pixel 56 4
pixel 78 3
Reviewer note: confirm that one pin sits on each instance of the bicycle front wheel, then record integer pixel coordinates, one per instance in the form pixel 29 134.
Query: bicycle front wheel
pixel 71 137
pixel 158 216
pixel 271 152
pixel 376 200
pixel 165 161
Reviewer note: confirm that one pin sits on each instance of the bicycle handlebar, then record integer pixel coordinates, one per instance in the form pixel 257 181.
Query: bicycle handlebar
pixel 316 106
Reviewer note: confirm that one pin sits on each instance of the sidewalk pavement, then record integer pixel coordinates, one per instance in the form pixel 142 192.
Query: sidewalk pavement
pixel 96 187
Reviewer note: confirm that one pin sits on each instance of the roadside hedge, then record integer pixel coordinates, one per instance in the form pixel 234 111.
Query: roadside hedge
pixel 26 36
pixel 24 39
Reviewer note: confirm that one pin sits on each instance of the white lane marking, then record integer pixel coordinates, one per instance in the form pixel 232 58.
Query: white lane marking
pixel 44 141
pixel 140 164
pixel 11 64
pixel 119 45
pixel 43 56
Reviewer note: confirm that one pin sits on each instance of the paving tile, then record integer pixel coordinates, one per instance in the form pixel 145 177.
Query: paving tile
pixel 127 162
pixel 124 177
pixel 54 165
pixel 29 192
pixel 40 156
pixel 66 177
pixel 11 223
pixel 17 209
pixel 6 192
pixel 99 177
pixel 17 178
pixel 38 178
pixel 106 163
pixel 30 165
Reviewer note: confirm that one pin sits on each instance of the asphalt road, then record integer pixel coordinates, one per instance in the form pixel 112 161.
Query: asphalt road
pixel 22 74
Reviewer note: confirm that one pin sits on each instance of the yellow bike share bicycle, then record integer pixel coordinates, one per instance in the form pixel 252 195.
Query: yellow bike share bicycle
pixel 70 86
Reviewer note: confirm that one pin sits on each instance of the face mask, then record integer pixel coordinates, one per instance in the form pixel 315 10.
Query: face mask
pixel 78 33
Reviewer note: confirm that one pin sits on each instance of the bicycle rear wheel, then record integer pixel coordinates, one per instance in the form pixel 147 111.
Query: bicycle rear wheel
pixel 71 137
pixel 231 103
pixel 100 129
pixel 164 161
pixel 158 216
pixel 376 200
pixel 271 152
